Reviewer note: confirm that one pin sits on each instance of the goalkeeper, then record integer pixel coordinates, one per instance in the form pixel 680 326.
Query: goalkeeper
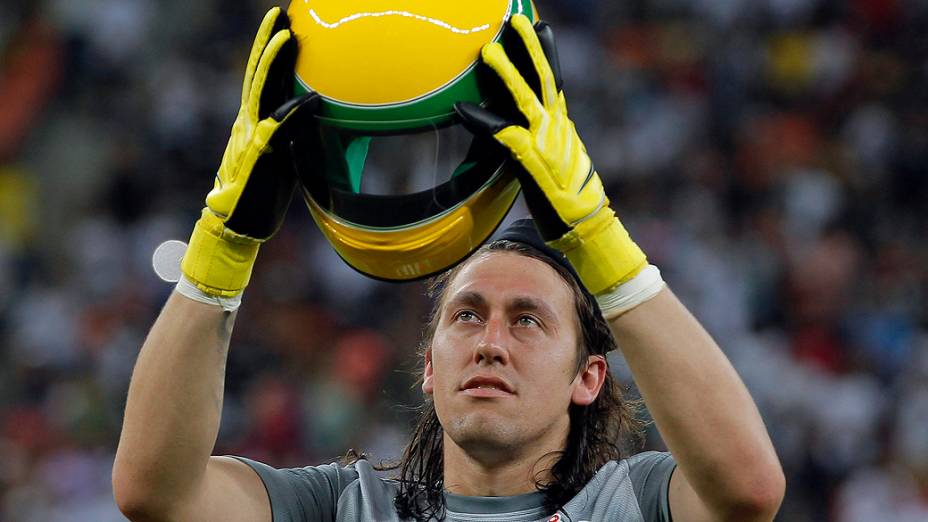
pixel 521 415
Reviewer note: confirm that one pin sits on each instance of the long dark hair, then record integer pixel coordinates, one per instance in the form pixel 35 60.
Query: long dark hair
pixel 596 431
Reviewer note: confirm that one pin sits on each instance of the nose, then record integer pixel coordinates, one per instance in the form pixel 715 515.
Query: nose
pixel 493 346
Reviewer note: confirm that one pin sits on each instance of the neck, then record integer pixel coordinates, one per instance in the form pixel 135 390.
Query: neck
pixel 500 473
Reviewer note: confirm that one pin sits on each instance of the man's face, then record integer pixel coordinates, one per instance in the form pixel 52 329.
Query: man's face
pixel 502 365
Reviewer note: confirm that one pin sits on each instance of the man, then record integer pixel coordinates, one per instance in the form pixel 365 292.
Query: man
pixel 517 423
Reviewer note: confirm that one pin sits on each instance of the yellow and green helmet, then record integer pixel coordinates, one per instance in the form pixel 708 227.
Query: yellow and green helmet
pixel 388 68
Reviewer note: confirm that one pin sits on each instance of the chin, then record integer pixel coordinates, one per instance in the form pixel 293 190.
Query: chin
pixel 485 432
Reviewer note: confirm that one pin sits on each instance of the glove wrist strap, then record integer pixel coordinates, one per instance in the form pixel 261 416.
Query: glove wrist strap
pixel 189 289
pixel 602 252
pixel 632 293
pixel 218 261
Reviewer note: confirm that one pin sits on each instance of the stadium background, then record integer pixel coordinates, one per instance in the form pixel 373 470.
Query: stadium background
pixel 769 155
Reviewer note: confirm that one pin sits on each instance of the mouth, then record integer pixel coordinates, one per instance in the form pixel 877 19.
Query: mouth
pixel 486 387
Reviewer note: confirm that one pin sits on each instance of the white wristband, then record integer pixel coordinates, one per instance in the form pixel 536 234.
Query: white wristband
pixel 631 293
pixel 189 290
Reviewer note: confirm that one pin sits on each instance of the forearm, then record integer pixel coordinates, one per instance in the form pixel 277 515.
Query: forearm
pixel 702 409
pixel 174 404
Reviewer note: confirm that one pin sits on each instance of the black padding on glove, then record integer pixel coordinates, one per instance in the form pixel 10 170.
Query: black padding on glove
pixel 479 120
pixel 501 112
pixel 549 223
pixel 549 46
pixel 278 88
pixel 265 198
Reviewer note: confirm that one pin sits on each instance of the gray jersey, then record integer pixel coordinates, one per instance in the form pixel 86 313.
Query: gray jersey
pixel 633 489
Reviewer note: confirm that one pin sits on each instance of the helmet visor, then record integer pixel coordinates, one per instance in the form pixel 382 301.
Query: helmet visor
pixel 403 207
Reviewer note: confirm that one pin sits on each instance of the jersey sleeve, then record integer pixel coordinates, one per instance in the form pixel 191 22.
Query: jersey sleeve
pixel 299 494
pixel 650 475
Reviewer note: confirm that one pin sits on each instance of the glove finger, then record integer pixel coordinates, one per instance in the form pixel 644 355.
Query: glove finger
pixel 257 50
pixel 278 88
pixel 528 104
pixel 519 141
pixel 281 21
pixel 539 60
pixel 267 191
pixel 479 120
pixel 534 176
pixel 261 72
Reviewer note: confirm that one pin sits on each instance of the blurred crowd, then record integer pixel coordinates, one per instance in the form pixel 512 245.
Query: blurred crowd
pixel 771 156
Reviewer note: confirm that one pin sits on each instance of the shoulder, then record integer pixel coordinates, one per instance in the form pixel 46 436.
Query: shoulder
pixel 638 468
pixel 650 472
pixel 317 482
pixel 634 488
pixel 353 492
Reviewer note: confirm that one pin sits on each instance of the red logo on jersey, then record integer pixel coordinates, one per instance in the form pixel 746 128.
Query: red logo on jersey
pixel 555 518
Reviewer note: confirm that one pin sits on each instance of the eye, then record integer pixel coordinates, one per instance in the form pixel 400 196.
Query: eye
pixel 528 320
pixel 466 316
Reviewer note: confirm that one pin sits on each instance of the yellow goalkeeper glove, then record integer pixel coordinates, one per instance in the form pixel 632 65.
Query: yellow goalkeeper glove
pixel 563 190
pixel 256 180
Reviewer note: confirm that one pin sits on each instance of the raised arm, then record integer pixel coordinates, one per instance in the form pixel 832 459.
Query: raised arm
pixel 163 468
pixel 728 469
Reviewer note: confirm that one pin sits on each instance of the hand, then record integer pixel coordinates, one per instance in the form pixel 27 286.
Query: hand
pixel 256 180
pixel 562 188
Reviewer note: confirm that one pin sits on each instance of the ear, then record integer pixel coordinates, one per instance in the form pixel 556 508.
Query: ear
pixel 427 385
pixel 589 381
